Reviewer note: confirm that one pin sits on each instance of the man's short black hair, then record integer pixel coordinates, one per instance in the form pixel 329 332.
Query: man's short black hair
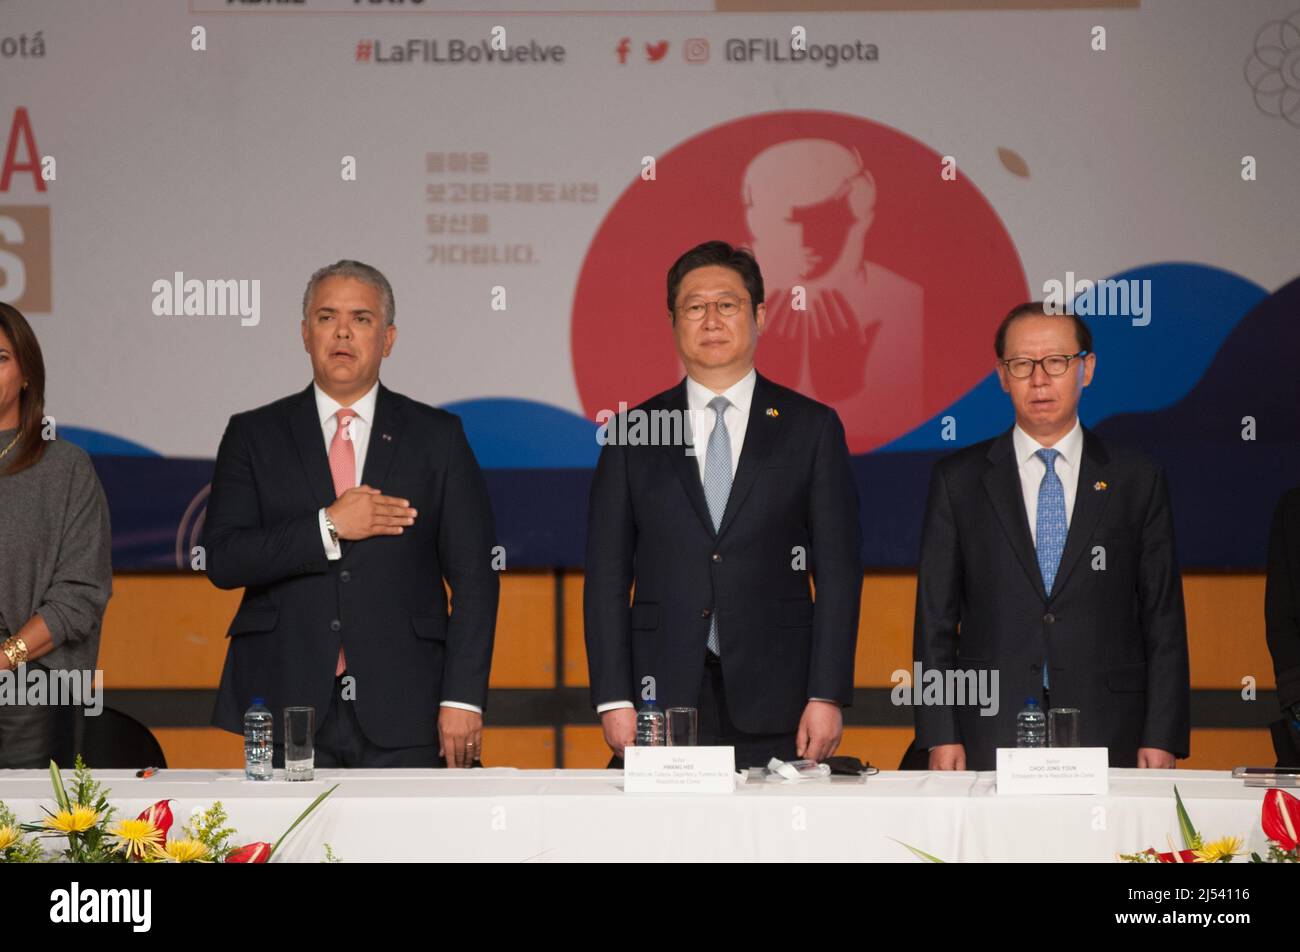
pixel 1037 309
pixel 739 260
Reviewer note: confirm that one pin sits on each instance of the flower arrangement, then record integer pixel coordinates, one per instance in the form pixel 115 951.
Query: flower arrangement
pixel 84 818
pixel 1280 819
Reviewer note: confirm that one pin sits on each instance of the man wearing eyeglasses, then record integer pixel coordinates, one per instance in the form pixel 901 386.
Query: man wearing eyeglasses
pixel 1048 556
pixel 720 540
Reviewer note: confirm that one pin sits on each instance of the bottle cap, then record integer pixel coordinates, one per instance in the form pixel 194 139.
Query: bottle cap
pixel 258 700
pixel 1031 702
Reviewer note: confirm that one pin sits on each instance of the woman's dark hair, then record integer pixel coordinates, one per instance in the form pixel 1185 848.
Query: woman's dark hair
pixel 739 260
pixel 31 399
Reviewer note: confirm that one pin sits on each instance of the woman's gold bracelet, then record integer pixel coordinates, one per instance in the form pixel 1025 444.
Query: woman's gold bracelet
pixel 15 650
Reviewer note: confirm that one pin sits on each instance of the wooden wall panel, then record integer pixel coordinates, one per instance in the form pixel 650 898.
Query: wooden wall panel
pixel 524 653
pixel 167 631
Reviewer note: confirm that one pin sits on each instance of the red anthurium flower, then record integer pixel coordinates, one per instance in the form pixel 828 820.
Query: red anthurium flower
pixel 1184 856
pixel 252 853
pixel 1281 818
pixel 160 815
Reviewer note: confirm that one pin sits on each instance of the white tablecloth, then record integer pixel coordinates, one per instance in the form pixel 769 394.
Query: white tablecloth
pixel 509 815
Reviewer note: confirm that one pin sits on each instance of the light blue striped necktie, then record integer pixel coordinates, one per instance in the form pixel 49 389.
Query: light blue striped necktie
pixel 717 486
pixel 1052 527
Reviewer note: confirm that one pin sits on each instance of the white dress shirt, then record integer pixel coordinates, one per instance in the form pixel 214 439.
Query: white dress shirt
pixel 1032 470
pixel 701 419
pixel 326 408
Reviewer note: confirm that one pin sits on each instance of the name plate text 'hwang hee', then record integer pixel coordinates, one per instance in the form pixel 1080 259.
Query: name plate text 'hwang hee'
pixel 679 769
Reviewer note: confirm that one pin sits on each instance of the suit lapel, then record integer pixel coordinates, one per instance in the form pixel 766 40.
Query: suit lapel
pixel 309 439
pixel 686 467
pixel 384 432
pixel 760 437
pixel 1002 482
pixel 1089 502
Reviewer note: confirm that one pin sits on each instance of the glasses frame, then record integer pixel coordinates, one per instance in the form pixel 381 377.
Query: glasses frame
pixel 681 309
pixel 1041 362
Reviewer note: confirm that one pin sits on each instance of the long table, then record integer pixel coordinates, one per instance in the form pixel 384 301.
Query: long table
pixel 510 815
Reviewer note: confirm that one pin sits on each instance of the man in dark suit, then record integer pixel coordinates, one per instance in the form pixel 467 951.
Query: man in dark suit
pixel 1048 557
pixel 341 510
pixel 1282 621
pixel 720 539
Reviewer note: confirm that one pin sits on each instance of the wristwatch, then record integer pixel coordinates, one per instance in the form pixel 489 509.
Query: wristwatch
pixel 329 527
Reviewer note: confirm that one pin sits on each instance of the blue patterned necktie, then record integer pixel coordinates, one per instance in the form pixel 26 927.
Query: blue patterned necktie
pixel 717 486
pixel 1052 526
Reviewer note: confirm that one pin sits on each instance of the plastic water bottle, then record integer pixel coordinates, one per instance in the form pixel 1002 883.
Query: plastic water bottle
pixel 258 740
pixel 650 728
pixel 1031 725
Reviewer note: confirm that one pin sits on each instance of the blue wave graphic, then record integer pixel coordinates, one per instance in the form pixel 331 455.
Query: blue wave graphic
pixel 99 443
pixel 1194 309
pixel 507 433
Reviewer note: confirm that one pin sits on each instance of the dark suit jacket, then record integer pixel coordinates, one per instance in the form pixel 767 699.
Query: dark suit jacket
pixel 1115 638
pixel 384 600
pixel 1282 615
pixel 649 524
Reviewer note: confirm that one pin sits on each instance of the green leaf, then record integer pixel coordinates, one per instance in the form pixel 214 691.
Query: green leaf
pixel 1191 839
pixel 301 816
pixel 60 794
pixel 920 853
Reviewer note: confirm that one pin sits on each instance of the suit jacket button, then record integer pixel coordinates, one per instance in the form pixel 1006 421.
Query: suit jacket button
pixel 717 557
pixel 706 613
pixel 335 625
pixel 1049 618
pixel 345 576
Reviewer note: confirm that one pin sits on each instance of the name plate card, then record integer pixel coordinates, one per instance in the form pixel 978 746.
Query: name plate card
pixel 1047 770
pixel 679 769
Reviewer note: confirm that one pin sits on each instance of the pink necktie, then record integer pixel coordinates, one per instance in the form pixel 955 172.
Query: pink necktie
pixel 343 467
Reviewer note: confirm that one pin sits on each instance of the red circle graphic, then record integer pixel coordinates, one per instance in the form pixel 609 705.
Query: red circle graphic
pixel 884 279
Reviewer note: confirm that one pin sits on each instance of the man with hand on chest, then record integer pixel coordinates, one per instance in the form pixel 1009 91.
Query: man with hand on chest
pixel 342 510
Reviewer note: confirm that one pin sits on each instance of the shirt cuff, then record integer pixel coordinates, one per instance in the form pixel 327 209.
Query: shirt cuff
pixel 462 706
pixel 612 706
pixel 332 549
pixel 827 700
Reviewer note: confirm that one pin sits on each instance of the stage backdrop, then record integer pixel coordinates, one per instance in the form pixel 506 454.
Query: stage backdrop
pixel 173 175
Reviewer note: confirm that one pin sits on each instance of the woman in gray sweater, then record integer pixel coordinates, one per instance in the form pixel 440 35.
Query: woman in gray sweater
pixel 55 571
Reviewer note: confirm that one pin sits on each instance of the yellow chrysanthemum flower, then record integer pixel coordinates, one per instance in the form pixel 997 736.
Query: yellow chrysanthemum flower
pixel 8 836
pixel 1219 850
pixel 184 851
pixel 136 838
pixel 78 820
